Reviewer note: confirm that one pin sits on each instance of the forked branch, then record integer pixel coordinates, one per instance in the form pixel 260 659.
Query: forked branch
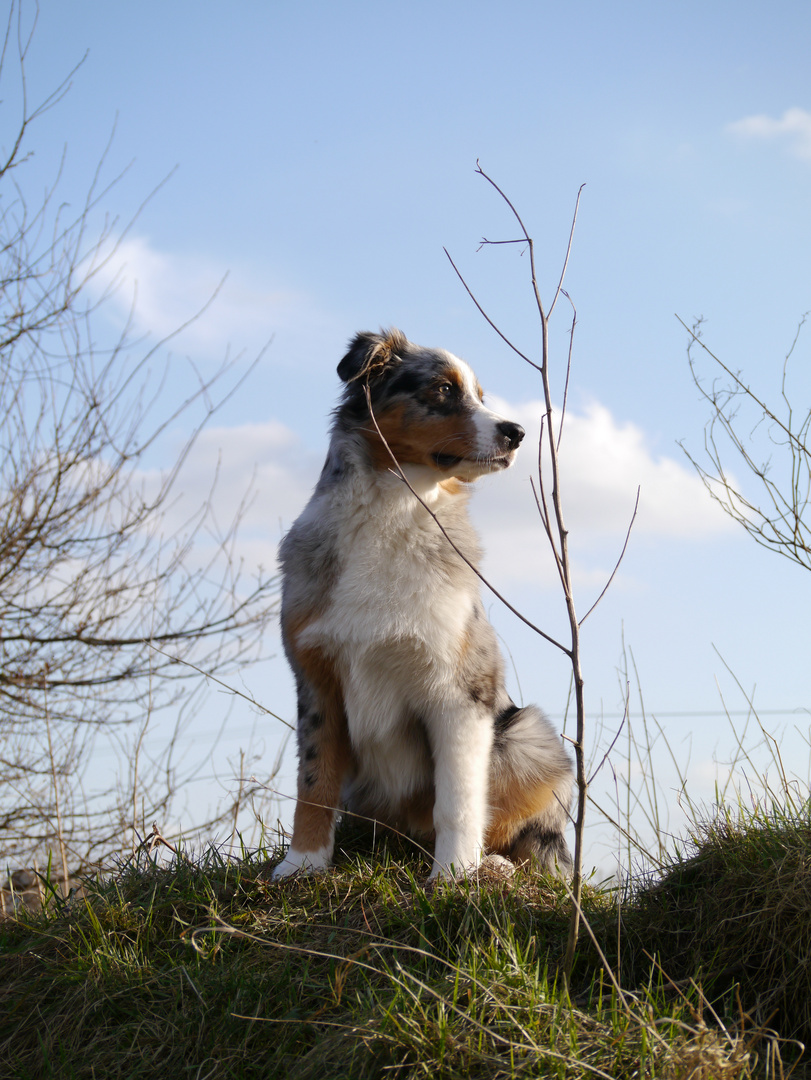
pixel 550 508
pixel 775 510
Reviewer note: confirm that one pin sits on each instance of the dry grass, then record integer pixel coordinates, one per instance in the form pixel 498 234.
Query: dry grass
pixel 207 969
pixel 733 911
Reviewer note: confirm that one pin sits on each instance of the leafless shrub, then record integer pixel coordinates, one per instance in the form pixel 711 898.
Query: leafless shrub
pixel 100 606
pixel 745 430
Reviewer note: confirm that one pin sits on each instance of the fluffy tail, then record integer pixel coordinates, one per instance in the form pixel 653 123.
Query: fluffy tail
pixel 530 790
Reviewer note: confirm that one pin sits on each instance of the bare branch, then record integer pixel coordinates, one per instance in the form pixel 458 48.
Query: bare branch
pixel 774 514
pixel 559 289
pixel 568 367
pixel 619 560
pixel 551 514
pixel 516 350
pixel 531 245
pixel 231 690
pixel 95 570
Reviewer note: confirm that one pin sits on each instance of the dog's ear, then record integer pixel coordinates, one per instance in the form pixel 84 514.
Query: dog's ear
pixel 370 354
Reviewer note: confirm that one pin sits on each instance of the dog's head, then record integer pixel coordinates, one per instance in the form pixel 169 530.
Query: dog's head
pixel 427 405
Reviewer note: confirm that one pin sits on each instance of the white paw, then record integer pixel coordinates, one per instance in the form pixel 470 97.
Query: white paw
pixel 457 855
pixel 300 862
pixel 497 866
pixel 454 871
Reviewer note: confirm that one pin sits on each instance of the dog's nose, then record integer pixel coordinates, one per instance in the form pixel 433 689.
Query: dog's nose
pixel 513 433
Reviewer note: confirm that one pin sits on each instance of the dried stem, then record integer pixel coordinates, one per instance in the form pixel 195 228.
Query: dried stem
pixel 92 570
pixel 774 512
pixel 619 560
pixel 554 526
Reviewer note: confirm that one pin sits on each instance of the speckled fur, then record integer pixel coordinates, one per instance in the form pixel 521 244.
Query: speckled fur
pixel 403 712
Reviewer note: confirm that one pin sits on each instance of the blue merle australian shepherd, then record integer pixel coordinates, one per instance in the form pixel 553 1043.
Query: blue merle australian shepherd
pixel 403 716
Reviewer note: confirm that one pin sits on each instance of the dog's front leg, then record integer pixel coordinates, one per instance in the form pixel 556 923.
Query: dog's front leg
pixel 324 759
pixel 461 743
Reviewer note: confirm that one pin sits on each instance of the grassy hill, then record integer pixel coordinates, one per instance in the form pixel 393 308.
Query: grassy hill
pixel 206 969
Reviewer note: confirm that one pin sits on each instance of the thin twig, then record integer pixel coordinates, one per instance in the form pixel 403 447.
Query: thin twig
pixel 484 314
pixel 619 560
pixel 231 689
pixel 568 368
pixel 568 253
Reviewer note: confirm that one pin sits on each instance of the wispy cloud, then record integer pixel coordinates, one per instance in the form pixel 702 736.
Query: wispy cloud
pixel 603 463
pixel 222 309
pixel 793 128
pixel 260 474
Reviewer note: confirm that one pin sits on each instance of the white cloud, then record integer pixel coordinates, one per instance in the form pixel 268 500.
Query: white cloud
pixel 264 475
pixel 161 292
pixel 794 126
pixel 603 462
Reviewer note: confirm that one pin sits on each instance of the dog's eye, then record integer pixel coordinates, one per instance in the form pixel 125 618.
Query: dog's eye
pixel 444 389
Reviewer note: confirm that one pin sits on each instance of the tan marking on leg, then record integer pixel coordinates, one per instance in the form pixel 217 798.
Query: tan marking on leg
pixel 321 773
pixel 293 622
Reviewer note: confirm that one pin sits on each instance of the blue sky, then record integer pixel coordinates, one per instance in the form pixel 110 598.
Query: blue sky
pixel 326 154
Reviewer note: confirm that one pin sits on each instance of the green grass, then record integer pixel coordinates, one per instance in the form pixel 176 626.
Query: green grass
pixel 733 911
pixel 206 969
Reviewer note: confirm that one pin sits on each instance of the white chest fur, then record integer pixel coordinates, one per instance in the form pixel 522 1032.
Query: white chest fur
pixel 396 613
pixel 393 582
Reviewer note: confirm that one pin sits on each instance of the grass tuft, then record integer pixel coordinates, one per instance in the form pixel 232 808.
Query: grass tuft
pixel 733 912
pixel 208 969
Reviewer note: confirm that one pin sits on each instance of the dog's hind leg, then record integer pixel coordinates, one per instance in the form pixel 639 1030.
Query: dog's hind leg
pixel 324 760
pixel 530 791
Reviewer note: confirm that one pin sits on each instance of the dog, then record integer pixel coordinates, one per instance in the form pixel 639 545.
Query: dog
pixel 403 715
